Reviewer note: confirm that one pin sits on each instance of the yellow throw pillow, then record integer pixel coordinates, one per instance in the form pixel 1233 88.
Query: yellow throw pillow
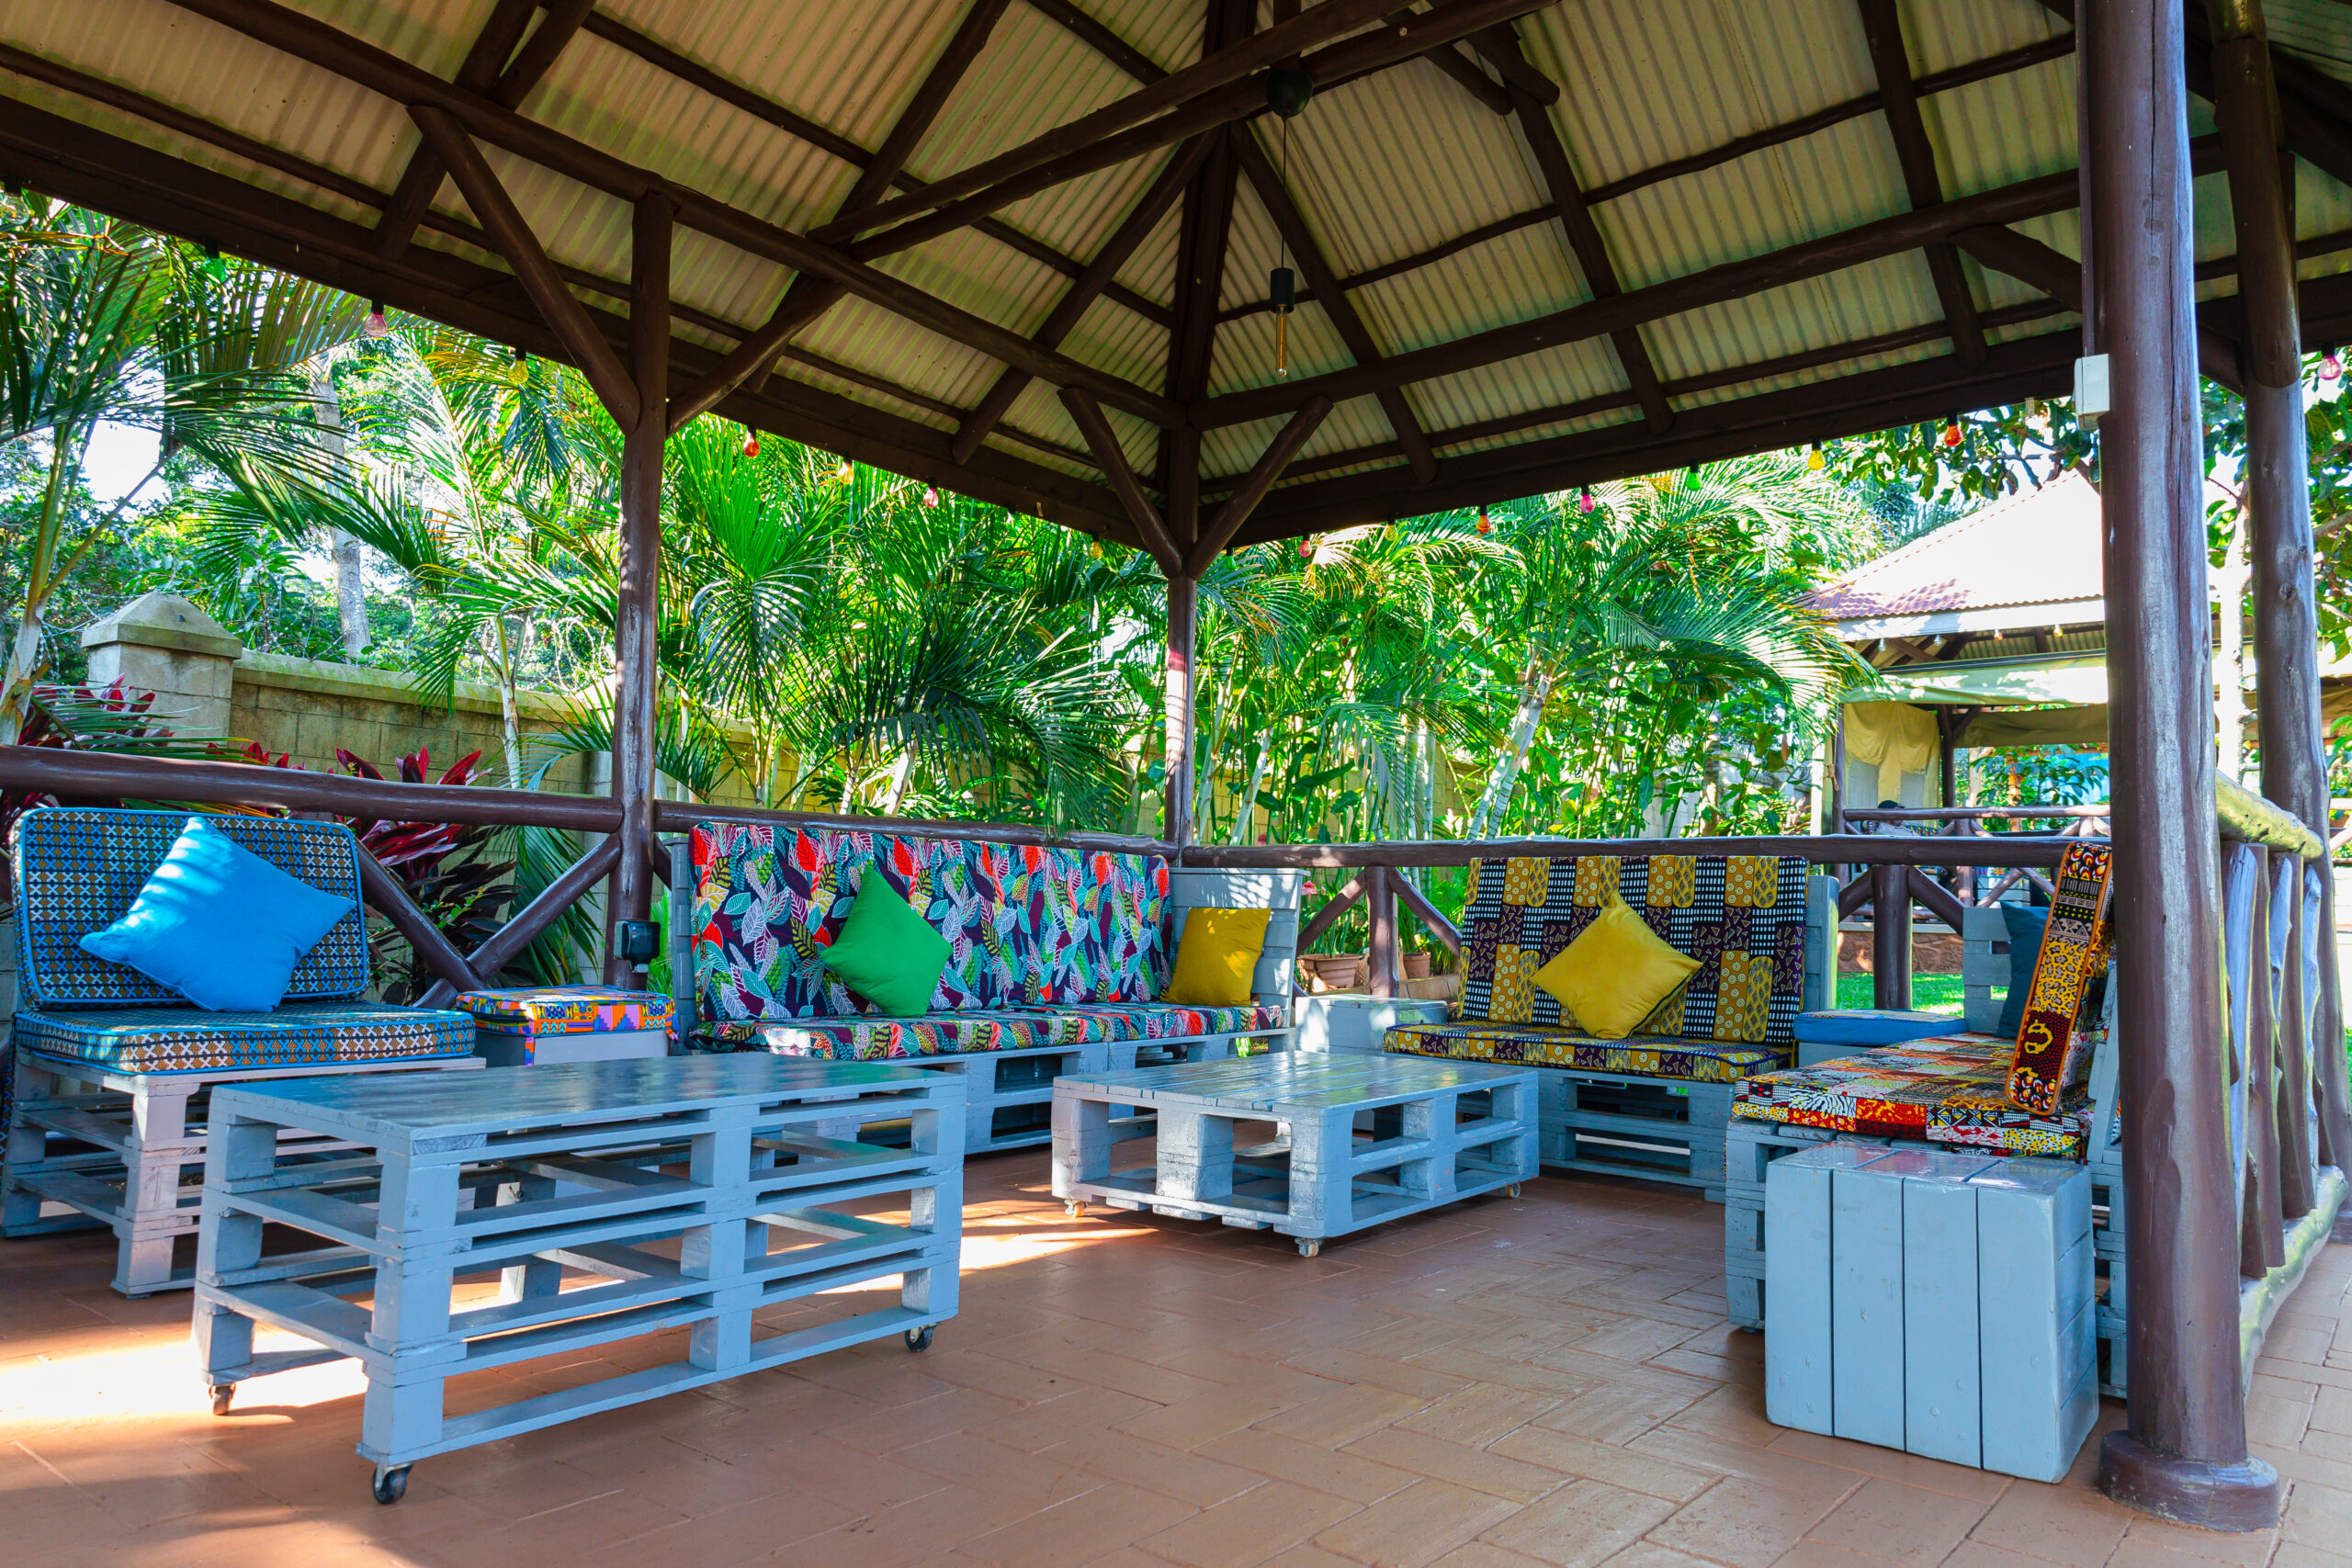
pixel 1217 956
pixel 1611 978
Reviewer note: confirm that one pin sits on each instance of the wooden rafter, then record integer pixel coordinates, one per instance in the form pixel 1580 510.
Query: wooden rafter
pixel 1576 220
pixel 1104 442
pixel 809 298
pixel 1336 307
pixel 1073 305
pixel 1255 484
pixel 1882 30
pixel 2060 276
pixel 478 73
pixel 1201 246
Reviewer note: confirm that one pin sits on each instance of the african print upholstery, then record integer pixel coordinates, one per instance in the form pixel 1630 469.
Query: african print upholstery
pixel 78 868
pixel 297 1034
pixel 2052 1046
pixel 1742 917
pixel 871 1038
pixel 1551 1045
pixel 1947 1089
pixel 1026 926
pixel 1176 1020
pixel 565 1009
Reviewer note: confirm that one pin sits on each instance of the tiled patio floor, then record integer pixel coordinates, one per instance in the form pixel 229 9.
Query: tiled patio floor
pixel 1540 1381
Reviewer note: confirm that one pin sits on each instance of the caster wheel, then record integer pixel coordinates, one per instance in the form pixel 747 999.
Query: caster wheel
pixel 1309 1248
pixel 1074 1209
pixel 222 1394
pixel 1512 1190
pixel 919 1339
pixel 390 1485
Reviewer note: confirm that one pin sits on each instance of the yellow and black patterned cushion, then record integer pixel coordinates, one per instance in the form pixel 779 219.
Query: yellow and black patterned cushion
pixel 1548 1046
pixel 297 1034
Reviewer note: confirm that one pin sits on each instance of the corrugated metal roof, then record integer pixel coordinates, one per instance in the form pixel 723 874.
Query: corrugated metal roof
pixel 1383 168
pixel 2036 547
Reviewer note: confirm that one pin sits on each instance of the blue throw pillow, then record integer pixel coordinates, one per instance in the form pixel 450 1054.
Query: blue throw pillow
pixel 219 924
pixel 2026 925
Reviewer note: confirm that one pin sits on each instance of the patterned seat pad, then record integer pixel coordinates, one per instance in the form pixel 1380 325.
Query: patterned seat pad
pixel 1549 1046
pixel 1950 1088
pixel 565 1009
pixel 298 1034
pixel 866 1038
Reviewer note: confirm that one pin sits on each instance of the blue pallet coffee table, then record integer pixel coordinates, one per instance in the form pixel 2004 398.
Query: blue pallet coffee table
pixel 1360 1139
pixel 689 1192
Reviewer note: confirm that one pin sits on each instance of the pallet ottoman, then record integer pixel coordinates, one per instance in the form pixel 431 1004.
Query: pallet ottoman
pixel 522 1026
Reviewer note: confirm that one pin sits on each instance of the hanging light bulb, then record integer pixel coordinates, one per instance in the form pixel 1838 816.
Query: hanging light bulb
pixel 1307 549
pixel 842 474
pixel 1814 461
pixel 929 496
pixel 1486 524
pixel 1094 549
pixel 518 370
pixel 1584 500
pixel 2330 366
pixel 1952 430
pixel 376 325
pixel 751 443
pixel 1283 292
pixel 216 266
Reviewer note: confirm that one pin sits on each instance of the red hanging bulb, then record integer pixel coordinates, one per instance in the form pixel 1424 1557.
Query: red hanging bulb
pixel 750 443
pixel 1307 549
pixel 929 496
pixel 1486 524
pixel 1952 430
pixel 377 326
pixel 1584 500
pixel 2330 366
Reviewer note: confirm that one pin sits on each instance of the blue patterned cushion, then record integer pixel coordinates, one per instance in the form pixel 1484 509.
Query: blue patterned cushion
pixel 78 869
pixel 299 1035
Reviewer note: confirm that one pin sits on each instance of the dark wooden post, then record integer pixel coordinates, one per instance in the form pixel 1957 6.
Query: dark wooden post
pixel 1380 899
pixel 1891 937
pixel 2184 1455
pixel 2278 473
pixel 1177 694
pixel 638 610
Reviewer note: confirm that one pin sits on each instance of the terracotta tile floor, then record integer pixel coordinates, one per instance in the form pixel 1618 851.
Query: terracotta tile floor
pixel 1546 1379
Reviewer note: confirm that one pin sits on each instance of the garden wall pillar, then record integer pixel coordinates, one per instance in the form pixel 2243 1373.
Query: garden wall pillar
pixel 163 643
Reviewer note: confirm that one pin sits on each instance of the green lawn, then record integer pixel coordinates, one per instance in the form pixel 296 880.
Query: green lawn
pixel 1929 993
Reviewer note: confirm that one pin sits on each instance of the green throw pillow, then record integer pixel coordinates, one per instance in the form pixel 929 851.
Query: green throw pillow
pixel 887 953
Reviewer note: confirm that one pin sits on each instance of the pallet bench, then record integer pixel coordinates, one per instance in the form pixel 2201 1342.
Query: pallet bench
pixel 661 1187
pixel 1361 1140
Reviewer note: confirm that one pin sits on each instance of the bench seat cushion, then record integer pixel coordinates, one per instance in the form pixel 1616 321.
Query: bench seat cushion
pixel 866 1038
pixel 1947 1089
pixel 1551 1045
pixel 297 1034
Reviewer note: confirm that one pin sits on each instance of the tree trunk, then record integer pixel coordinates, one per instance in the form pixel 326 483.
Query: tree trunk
pixel 343 550
pixel 1245 816
pixel 1534 691
pixel 2229 596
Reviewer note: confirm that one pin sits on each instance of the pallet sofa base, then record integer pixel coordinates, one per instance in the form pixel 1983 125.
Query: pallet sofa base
pixel 1625 1124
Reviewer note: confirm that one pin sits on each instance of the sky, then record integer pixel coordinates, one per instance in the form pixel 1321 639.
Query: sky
pixel 120 456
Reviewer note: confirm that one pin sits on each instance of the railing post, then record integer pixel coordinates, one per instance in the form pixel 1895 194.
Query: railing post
pixel 1891 937
pixel 1380 898
pixel 2293 1112
pixel 1178 716
pixel 2184 1456
pixel 2261 1245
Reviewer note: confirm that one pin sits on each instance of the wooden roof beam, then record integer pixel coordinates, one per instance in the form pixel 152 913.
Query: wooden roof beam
pixel 1217 69
pixel 1336 307
pixel 1071 157
pixel 809 297
pixel 1583 234
pixel 504 223
pixel 1255 484
pixel 1882 30
pixel 478 73
pixel 305 38
pixel 1731 280
pixel 1073 305
pixel 1087 414
pixel 669 60
pixel 1500 46
pixel 2059 276
pixel 1458 67
pixel 1201 246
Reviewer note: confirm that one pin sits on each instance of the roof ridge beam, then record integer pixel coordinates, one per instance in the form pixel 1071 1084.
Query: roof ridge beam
pixel 1236 100
pixel 1891 60
pixel 807 296
pixel 1140 221
pixel 1104 442
pixel 1892 235
pixel 1217 69
pixel 329 47
pixel 504 223
pixel 1333 300
pixel 1591 251
pixel 1255 484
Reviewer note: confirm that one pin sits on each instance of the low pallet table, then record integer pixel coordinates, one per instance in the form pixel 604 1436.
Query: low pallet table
pixel 1362 1139
pixel 126 1150
pixel 698 1191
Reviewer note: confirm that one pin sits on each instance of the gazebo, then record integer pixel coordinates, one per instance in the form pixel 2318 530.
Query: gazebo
pixel 1192 276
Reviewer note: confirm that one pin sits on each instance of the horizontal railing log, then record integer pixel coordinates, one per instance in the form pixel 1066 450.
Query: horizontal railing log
pixel 1825 849
pixel 675 815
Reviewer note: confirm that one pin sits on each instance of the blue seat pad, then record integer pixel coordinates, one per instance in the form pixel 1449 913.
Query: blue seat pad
pixel 1869 1026
pixel 295 1034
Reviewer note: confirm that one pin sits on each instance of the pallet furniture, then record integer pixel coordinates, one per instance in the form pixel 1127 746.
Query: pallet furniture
pixel 703 1193
pixel 1937 1302
pixel 1057 958
pixel 113 1073
pixel 1652 1106
pixel 1359 1140
pixel 1353 1022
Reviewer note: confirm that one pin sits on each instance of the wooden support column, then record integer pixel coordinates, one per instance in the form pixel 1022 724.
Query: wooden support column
pixel 1891 937
pixel 1379 900
pixel 2184 1455
pixel 2277 480
pixel 637 613
pixel 1176 692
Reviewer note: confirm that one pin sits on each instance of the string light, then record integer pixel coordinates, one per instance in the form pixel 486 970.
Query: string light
pixel 1486 524
pixel 1307 549
pixel 2330 368
pixel 518 370
pixel 929 496
pixel 377 326
pixel 216 266
pixel 750 443
pixel 842 474
pixel 1094 547
pixel 1952 430
pixel 1814 459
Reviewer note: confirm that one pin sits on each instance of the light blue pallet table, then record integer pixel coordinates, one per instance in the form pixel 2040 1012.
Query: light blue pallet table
pixel 682 1193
